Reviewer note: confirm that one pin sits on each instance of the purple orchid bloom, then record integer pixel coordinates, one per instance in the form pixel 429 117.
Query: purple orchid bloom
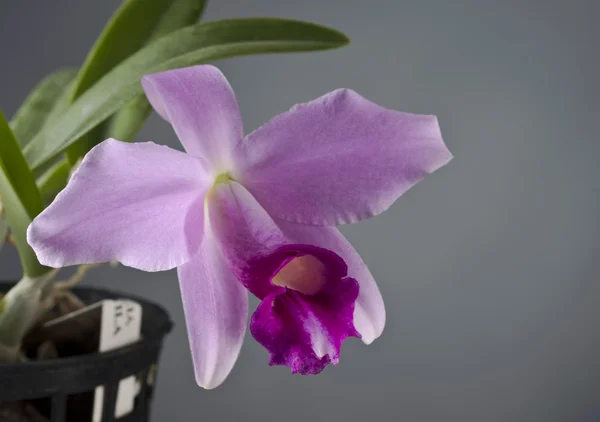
pixel 256 212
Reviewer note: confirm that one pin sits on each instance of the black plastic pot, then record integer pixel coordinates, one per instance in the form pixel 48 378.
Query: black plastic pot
pixel 58 384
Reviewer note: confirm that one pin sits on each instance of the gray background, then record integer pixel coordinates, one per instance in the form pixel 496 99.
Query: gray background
pixel 488 267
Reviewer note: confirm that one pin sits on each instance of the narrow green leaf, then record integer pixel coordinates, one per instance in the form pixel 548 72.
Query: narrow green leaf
pixel 128 121
pixel 53 180
pixel 179 14
pixel 195 44
pixel 20 197
pixel 36 108
pixel 83 144
pixel 16 171
pixel 126 124
pixel 125 33
pixel 62 103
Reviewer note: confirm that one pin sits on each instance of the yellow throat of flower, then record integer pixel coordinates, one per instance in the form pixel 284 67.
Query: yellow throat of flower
pixel 304 274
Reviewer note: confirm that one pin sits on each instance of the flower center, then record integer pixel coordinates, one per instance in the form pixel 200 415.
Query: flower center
pixel 223 178
pixel 304 274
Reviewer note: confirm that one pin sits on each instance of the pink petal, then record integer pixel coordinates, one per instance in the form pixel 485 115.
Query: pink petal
pixel 200 104
pixel 140 204
pixel 369 310
pixel 242 227
pixel 302 328
pixel 246 231
pixel 216 313
pixel 337 159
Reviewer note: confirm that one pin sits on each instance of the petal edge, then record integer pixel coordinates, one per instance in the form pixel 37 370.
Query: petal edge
pixel 134 203
pixel 201 106
pixel 338 159
pixel 216 312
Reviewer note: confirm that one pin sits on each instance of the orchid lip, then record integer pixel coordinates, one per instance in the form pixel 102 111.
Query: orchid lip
pixel 307 312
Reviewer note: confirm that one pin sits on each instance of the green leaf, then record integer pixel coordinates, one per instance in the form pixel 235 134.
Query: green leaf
pixel 36 108
pixel 125 33
pixel 62 103
pixel 20 197
pixel 128 121
pixel 180 13
pixel 201 43
pixel 53 180
pixel 132 26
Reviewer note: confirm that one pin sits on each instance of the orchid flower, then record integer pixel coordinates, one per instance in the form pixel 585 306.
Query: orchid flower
pixel 255 213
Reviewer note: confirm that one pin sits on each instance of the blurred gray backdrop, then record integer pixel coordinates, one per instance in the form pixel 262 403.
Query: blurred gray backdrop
pixel 489 268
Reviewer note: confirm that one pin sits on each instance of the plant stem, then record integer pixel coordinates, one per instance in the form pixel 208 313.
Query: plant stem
pixel 19 309
pixel 76 277
pixel 9 353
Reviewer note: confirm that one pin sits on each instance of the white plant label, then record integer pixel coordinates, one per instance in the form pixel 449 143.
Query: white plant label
pixel 121 325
